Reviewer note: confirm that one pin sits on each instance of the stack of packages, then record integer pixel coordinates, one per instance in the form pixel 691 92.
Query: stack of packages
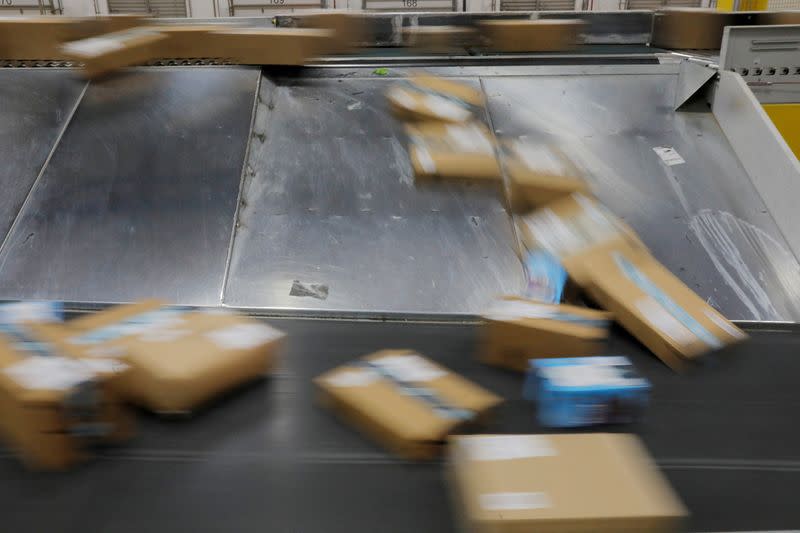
pixel 106 44
pixel 64 386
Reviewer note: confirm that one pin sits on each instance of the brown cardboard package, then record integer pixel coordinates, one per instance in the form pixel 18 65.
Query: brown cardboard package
pixel 188 41
pixel 272 46
pixel 439 39
pixel 179 359
pixel 656 307
pixel 690 28
pixel 516 330
pixel 595 482
pixel 54 408
pixel 350 30
pixel 110 52
pixel 538 174
pixel 453 151
pixel 574 226
pixel 426 98
pixel 776 18
pixel 542 35
pixel 42 37
pixel 404 401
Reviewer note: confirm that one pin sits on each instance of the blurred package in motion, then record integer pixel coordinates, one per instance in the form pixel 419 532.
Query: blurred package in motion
pixel 541 35
pixel 107 53
pixel 440 39
pixel 426 97
pixel 538 173
pixel 188 41
pixel 271 46
pixel 572 227
pixel 517 330
pixel 686 28
pixel 349 30
pixel 404 401
pixel 555 483
pixel 584 391
pixel 53 409
pixel 546 277
pixel 179 358
pixel 656 307
pixel 453 151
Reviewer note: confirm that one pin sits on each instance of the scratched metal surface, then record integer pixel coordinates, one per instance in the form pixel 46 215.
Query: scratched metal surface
pixel 34 107
pixel 138 199
pixel 703 219
pixel 329 199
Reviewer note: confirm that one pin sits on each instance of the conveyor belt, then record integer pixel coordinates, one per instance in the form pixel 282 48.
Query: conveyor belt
pixel 268 459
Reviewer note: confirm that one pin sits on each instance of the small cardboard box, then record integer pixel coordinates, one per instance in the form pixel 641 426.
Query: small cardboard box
pixel 573 226
pixel 517 330
pixel 107 53
pixel 541 35
pixel 656 307
pixel 586 391
pixel 404 401
pixel 426 98
pixel 453 151
pixel 350 30
pixel 595 482
pixel 179 358
pixel 188 41
pixel 272 46
pixel 439 39
pixel 53 409
pixel 690 28
pixel 538 174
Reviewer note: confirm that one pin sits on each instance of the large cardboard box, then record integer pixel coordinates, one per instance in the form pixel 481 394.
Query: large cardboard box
pixel 517 330
pixel 349 30
pixel 41 37
pixel 54 409
pixel 179 358
pixel 572 227
pixel 404 401
pixel 598 483
pixel 538 174
pixel 541 35
pixel 107 53
pixel 440 39
pixel 188 41
pixel 777 18
pixel 656 307
pixel 690 28
pixel 426 98
pixel 272 46
pixel 453 151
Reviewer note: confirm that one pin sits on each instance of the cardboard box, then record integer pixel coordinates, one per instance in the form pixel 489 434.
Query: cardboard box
pixel 777 18
pixel 107 53
pixel 404 401
pixel 41 38
pixel 426 98
pixel 440 39
pixel 517 330
pixel 188 41
pixel 179 358
pixel 572 227
pixel 272 46
pixel 586 391
pixel 453 151
pixel 538 174
pixel 690 28
pixel 578 483
pixel 54 409
pixel 541 35
pixel 656 307
pixel 350 30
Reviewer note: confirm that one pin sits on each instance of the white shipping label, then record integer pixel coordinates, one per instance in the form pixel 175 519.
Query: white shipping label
pixel 353 378
pixel 514 501
pixel 163 335
pixel 669 156
pixel 93 47
pixel 424 158
pixel 105 366
pixel 49 373
pixel 539 157
pixel 507 447
pixel 401 98
pixel 664 322
pixel 445 108
pixel 19 312
pixel 516 309
pixel 588 375
pixel 726 326
pixel 471 139
pixel 409 368
pixel 244 336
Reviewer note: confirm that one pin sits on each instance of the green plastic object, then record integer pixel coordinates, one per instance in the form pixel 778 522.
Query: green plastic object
pixel 383 71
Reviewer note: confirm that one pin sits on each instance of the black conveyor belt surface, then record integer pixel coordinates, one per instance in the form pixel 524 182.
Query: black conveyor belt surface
pixel 268 459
